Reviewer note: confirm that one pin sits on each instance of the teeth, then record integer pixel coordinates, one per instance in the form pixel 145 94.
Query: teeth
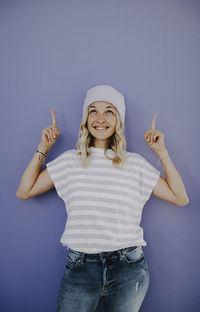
pixel 100 128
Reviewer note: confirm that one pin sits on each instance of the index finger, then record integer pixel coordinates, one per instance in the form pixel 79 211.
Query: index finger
pixel 53 118
pixel 153 122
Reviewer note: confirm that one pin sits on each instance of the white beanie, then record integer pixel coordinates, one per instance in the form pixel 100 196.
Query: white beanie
pixel 108 94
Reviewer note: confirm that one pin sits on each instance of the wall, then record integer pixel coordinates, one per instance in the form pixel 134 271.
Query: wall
pixel 51 53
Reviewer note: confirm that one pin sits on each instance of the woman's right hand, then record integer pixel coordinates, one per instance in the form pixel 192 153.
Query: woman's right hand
pixel 50 134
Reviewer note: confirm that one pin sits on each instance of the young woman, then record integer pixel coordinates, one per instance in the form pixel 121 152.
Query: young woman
pixel 104 188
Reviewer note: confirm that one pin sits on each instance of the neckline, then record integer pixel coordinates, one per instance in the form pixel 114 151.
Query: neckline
pixel 99 149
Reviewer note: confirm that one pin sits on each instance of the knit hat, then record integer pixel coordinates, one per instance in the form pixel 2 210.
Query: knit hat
pixel 108 94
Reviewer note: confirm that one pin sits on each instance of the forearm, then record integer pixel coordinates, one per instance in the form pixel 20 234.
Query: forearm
pixel 172 177
pixel 31 172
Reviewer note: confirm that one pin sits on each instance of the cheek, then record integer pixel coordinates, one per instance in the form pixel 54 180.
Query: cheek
pixel 113 122
pixel 89 124
pixel 90 118
pixel 89 121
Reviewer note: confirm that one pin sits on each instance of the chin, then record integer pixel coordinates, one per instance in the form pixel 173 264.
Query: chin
pixel 101 135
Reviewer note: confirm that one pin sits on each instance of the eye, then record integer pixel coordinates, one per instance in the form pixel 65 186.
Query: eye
pixel 108 111
pixel 93 110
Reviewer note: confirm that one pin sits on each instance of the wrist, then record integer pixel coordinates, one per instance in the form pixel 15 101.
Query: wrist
pixel 163 154
pixel 43 149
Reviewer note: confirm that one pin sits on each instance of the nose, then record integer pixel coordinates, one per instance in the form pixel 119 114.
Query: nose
pixel 101 116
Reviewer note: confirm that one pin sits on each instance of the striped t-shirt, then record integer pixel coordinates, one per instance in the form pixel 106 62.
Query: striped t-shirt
pixel 104 204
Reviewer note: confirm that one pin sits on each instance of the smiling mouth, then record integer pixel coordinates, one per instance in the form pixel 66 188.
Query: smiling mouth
pixel 100 128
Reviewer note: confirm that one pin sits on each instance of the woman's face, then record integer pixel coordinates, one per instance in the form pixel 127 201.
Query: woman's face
pixel 101 122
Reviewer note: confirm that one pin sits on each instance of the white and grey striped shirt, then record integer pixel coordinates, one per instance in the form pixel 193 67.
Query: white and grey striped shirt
pixel 104 204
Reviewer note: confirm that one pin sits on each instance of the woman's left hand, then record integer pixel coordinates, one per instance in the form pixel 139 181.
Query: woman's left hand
pixel 155 138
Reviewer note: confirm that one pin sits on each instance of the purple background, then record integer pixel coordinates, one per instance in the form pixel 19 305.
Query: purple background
pixel 51 53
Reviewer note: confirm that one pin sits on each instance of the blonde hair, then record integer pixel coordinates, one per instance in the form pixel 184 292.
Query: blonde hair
pixel 117 143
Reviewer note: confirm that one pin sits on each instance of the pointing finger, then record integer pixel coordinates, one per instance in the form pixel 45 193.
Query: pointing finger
pixel 53 118
pixel 153 122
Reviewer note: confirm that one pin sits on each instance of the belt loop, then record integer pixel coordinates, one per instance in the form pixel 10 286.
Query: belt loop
pixel 102 257
pixel 82 258
pixel 121 254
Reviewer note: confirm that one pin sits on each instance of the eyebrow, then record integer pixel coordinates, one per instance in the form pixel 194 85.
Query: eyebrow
pixel 106 106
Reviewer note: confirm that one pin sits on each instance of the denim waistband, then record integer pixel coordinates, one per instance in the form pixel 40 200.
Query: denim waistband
pixel 107 254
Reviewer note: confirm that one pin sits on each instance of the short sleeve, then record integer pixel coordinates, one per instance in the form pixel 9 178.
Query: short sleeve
pixel 149 176
pixel 58 169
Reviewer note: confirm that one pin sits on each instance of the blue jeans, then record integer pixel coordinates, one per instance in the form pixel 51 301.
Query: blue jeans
pixel 121 277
